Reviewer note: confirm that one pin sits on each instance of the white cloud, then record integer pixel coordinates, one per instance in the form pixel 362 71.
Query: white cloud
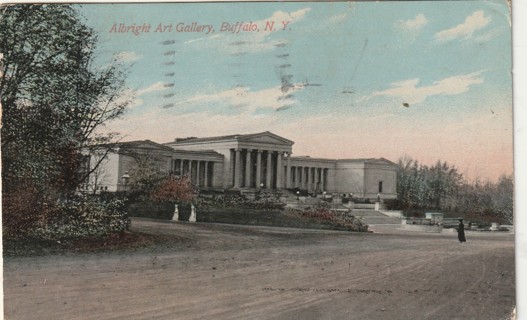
pixel 135 95
pixel 279 16
pixel 408 92
pixel 158 86
pixel 339 17
pixel 413 25
pixel 473 23
pixel 246 99
pixel 127 56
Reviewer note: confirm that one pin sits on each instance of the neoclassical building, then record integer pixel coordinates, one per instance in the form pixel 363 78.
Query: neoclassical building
pixel 260 161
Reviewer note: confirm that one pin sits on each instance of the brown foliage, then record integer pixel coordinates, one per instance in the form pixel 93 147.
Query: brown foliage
pixel 174 189
pixel 22 210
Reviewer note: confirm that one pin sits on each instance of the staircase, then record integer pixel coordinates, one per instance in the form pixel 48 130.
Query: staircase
pixel 372 217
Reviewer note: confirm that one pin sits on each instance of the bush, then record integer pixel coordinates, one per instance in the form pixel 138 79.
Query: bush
pixel 322 214
pixel 23 209
pixel 239 202
pixel 83 217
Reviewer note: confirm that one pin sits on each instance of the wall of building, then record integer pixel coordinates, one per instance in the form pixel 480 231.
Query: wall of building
pixel 373 174
pixel 217 179
pixel 349 178
pixel 106 174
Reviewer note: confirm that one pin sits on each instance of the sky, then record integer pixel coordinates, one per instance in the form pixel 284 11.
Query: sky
pixel 430 80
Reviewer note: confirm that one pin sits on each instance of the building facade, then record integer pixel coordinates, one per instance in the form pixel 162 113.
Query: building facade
pixel 261 161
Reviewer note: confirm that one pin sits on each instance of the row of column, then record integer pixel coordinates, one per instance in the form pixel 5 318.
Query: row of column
pixel 309 178
pixel 268 169
pixel 200 172
pixel 257 168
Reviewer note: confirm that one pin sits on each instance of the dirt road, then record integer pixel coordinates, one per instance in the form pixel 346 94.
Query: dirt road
pixel 213 271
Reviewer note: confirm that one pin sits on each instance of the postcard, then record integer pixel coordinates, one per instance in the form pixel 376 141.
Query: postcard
pixel 258 160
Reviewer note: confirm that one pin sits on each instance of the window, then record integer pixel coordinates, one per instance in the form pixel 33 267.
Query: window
pixel 380 186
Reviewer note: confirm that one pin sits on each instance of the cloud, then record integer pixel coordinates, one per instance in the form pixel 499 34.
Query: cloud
pixel 158 86
pixel 339 17
pixel 408 92
pixel 246 99
pixel 135 95
pixel 127 56
pixel 466 30
pixel 279 16
pixel 413 25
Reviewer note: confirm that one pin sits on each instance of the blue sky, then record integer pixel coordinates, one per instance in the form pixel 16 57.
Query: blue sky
pixel 430 79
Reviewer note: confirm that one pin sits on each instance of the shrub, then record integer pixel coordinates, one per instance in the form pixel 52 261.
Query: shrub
pixel 322 214
pixel 23 210
pixel 240 202
pixel 83 217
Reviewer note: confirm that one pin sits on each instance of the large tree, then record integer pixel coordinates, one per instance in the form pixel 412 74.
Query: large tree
pixel 54 97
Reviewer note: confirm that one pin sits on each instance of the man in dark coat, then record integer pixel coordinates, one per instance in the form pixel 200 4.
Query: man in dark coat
pixel 461 231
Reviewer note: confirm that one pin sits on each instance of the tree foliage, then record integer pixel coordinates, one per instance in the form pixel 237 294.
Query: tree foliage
pixel 429 187
pixel 174 189
pixel 442 187
pixel 149 183
pixel 54 98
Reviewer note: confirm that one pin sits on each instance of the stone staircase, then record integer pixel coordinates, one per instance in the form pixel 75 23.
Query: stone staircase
pixel 372 217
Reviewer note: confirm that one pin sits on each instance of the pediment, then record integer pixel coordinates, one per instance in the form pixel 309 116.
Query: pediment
pixel 265 137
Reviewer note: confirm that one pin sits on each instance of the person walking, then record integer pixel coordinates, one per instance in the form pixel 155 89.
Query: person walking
pixel 461 232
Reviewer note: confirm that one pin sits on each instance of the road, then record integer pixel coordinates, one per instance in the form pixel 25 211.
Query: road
pixel 213 271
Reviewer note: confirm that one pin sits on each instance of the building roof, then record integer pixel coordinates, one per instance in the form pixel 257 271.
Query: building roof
pixel 142 144
pixel 232 137
pixel 369 160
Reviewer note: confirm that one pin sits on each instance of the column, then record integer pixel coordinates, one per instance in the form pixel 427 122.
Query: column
pixel 288 172
pixel 237 165
pixel 190 170
pixel 279 170
pixel 258 168
pixel 269 170
pixel 309 178
pixel 298 176
pixel 248 168
pixel 181 167
pixel 206 180
pixel 323 179
pixel 299 171
pixel 305 182
pixel 231 167
pixel 317 179
pixel 198 163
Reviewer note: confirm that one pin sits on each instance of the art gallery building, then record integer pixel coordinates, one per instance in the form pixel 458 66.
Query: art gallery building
pixel 256 162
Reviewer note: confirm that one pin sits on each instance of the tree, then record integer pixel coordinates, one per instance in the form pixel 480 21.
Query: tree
pixel 54 98
pixel 420 186
pixel 54 101
pixel 442 187
pixel 174 189
pixel 149 182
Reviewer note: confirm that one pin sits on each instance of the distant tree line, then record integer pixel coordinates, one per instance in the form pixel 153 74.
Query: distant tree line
pixel 442 187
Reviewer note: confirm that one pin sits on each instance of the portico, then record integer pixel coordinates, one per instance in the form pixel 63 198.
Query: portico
pixel 258 169
pixel 250 161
